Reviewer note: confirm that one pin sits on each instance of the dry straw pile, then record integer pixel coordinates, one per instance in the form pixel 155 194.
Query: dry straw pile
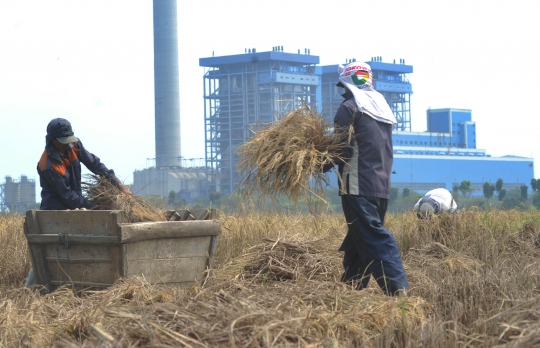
pixel 14 257
pixel 291 259
pixel 287 158
pixel 474 283
pixel 108 197
pixel 279 291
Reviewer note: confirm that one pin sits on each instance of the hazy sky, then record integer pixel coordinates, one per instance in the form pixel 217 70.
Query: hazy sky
pixel 91 61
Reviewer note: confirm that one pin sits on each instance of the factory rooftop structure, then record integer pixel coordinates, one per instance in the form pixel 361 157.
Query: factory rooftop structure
pixel 245 90
pixel 17 195
pixel 446 154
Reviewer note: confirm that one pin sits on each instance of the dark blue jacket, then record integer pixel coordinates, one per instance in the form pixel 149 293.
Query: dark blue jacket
pixel 61 181
pixel 368 156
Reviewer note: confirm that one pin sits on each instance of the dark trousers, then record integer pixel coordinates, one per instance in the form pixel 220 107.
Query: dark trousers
pixel 370 249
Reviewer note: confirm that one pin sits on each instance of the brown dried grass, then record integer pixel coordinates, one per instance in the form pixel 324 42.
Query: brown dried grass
pixel 109 197
pixel 14 258
pixel 474 279
pixel 291 260
pixel 287 158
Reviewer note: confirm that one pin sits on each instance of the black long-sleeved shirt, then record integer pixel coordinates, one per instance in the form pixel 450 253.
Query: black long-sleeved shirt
pixel 369 156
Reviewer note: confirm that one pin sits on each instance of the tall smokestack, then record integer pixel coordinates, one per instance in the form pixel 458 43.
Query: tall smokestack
pixel 166 89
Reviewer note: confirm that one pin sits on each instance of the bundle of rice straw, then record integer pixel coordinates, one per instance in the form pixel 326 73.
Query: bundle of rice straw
pixel 292 259
pixel 105 194
pixel 288 157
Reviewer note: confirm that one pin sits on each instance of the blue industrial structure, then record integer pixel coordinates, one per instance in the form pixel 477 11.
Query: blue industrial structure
pixel 243 92
pixel 425 172
pixel 447 154
pixel 246 90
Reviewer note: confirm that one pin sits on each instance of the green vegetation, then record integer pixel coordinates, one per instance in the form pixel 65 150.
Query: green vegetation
pixel 492 196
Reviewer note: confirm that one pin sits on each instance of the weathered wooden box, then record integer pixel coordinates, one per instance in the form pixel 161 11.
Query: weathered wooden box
pixel 88 248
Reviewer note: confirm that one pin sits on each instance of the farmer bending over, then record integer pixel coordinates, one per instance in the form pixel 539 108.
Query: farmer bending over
pixel 436 201
pixel 59 172
pixel 59 169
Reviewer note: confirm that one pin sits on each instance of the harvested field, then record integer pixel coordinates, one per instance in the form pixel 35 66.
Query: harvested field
pixel 474 276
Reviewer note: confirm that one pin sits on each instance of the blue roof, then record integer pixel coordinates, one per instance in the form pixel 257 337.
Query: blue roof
pixel 399 68
pixel 325 69
pixel 259 56
pixel 513 156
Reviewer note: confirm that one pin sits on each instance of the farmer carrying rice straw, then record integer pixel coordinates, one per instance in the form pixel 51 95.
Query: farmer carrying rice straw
pixel 365 165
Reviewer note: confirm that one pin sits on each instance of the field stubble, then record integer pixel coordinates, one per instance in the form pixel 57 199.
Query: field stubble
pixel 475 282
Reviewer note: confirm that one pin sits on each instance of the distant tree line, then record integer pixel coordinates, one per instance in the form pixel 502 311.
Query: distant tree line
pixel 494 196
pixel 516 200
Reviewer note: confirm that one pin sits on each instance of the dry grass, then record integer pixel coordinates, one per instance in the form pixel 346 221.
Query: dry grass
pixel 14 258
pixel 287 158
pixel 108 197
pixel 475 283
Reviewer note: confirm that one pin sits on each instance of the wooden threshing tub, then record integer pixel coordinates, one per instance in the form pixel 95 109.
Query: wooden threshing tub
pixel 88 248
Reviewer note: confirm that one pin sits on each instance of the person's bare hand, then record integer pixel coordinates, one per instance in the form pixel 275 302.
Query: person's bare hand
pixel 124 189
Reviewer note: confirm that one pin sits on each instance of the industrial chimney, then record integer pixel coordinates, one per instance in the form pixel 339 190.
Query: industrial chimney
pixel 166 89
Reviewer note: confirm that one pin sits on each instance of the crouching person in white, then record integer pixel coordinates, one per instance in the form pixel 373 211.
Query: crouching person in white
pixel 436 201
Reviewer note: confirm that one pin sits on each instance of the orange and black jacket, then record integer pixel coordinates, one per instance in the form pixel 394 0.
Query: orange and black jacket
pixel 61 181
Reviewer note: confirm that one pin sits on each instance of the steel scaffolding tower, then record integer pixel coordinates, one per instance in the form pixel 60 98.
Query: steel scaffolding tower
pixel 245 92
pixel 330 94
pixel 392 81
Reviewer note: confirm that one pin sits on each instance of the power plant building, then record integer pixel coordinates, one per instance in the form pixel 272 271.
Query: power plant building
pixel 245 90
pixel 170 172
pixel 17 195
pixel 447 154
